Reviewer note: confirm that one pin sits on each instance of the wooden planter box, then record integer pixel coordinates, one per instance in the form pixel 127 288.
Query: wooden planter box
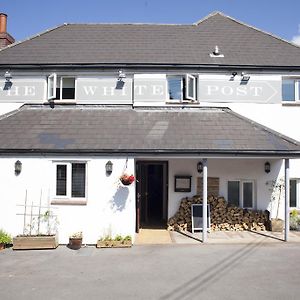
pixel 114 244
pixel 35 242
pixel 2 246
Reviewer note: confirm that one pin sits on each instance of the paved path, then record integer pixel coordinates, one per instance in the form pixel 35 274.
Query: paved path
pixel 165 272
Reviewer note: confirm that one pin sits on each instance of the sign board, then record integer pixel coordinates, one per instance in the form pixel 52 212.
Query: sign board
pixel 197 220
pixel 237 91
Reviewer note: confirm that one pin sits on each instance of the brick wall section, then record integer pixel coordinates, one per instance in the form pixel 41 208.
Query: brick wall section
pixel 5 40
pixel 213 184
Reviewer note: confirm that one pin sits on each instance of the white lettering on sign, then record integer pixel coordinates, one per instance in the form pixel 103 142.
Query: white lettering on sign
pixel 140 89
pixel 29 91
pixel 108 91
pixel 14 91
pixel 255 91
pixel 90 90
pixel 157 90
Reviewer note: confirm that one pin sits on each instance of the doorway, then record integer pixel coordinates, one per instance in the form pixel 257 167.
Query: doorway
pixel 151 194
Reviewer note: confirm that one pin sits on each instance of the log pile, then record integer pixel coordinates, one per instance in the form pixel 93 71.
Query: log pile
pixel 224 217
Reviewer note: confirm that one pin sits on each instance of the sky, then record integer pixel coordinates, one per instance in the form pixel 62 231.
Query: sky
pixel 27 18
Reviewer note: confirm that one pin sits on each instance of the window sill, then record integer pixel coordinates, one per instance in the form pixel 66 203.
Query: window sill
pixel 180 102
pixel 64 101
pixel 68 202
pixel 291 103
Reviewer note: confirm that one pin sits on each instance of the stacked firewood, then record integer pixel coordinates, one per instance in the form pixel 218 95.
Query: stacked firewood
pixel 223 216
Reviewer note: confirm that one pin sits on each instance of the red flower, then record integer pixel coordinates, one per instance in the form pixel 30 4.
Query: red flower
pixel 127 179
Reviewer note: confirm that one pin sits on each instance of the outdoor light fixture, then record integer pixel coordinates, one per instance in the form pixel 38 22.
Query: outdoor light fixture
pixel 7 76
pixel 18 167
pixel 121 75
pixel 200 167
pixel 109 167
pixel 245 77
pixel 233 74
pixel 267 167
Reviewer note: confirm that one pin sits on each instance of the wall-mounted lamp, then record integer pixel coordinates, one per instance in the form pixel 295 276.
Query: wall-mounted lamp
pixel 121 75
pixel 245 77
pixel 109 167
pixel 18 167
pixel 200 167
pixel 7 76
pixel 267 167
pixel 233 74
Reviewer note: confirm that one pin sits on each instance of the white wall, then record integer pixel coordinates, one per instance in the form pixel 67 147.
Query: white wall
pixel 110 208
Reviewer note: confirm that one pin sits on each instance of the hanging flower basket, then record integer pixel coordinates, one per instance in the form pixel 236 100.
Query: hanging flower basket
pixel 127 179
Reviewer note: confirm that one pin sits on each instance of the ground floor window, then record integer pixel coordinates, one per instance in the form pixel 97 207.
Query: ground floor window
pixel 70 181
pixel 241 193
pixel 295 193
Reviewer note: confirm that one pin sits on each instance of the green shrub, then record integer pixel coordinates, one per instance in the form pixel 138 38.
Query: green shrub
pixel 5 238
pixel 118 238
pixel 127 238
pixel 294 220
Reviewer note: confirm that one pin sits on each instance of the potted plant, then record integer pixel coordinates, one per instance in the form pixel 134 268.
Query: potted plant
pixel 127 179
pixel 294 220
pixel 75 240
pixel 40 233
pixel 117 242
pixel 5 239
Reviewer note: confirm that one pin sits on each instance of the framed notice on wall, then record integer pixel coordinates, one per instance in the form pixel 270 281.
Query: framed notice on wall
pixel 183 183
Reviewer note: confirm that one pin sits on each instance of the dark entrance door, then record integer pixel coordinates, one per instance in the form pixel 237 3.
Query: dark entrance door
pixel 152 193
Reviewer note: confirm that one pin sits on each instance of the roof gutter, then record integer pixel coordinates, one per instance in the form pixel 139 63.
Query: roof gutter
pixel 150 65
pixel 136 152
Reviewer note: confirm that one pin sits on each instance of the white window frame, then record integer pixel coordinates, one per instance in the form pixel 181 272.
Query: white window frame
pixel 297 193
pixel 189 77
pixel 296 90
pixel 68 196
pixel 241 194
pixel 51 93
pixel 184 98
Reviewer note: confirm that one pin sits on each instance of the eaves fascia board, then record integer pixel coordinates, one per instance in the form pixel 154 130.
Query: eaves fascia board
pixel 132 152
pixel 150 65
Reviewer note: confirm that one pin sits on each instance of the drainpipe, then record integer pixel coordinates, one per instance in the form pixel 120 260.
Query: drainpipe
pixel 204 202
pixel 287 199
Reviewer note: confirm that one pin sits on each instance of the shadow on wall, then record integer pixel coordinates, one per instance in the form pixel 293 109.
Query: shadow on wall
pixel 118 201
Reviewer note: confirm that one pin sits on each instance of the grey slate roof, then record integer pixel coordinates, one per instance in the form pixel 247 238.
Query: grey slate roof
pixel 74 129
pixel 102 44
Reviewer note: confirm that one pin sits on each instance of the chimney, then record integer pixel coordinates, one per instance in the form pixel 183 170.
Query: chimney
pixel 5 38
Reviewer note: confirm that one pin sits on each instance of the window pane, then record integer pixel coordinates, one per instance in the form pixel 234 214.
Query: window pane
pixel 288 90
pixel 234 193
pixel 293 193
pixel 78 180
pixel 68 88
pixel 248 194
pixel 174 86
pixel 61 180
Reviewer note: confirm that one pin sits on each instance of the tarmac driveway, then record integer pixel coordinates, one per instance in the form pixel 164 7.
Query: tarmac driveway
pixel 251 271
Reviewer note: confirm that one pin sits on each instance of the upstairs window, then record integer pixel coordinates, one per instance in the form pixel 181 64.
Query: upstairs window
pixel 241 193
pixel 61 87
pixel 291 90
pixel 182 88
